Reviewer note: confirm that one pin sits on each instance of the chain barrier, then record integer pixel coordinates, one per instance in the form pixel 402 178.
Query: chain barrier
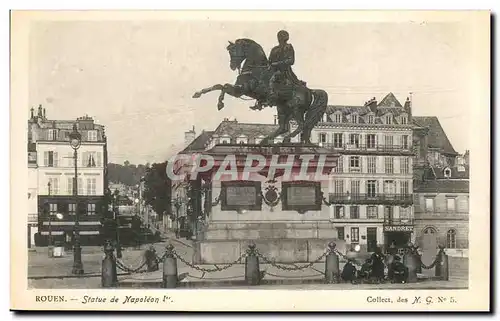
pixel 124 268
pixel 346 258
pixel 295 268
pixel 215 269
pixel 432 265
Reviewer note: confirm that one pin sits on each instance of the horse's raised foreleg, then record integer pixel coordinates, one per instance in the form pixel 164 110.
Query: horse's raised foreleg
pixel 207 90
pixel 235 91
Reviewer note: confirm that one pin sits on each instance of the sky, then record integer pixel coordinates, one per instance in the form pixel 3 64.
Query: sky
pixel 137 77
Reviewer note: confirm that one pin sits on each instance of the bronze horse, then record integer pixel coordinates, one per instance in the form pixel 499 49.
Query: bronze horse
pixel 305 106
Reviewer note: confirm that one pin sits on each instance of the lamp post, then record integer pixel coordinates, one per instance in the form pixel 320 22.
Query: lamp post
pixel 117 225
pixel 49 247
pixel 75 142
pixel 177 204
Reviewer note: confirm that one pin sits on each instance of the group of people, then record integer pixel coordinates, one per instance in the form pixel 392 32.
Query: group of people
pixel 373 269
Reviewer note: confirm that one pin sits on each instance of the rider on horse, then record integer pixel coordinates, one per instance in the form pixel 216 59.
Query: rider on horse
pixel 281 59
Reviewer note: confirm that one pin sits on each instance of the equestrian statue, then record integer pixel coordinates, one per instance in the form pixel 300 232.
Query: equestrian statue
pixel 271 82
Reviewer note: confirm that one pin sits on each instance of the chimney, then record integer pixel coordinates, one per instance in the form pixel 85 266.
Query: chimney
pixel 189 136
pixel 407 106
pixel 275 119
pixel 44 114
pixel 372 104
pixel 40 111
pixel 32 110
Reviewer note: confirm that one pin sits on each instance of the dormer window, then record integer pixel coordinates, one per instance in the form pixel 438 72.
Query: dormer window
pixel 354 118
pixel 388 119
pixel 371 119
pixel 325 118
pixel 52 134
pixel 403 120
pixel 241 140
pixel 447 172
pixel 92 135
pixel 338 117
pixel 225 140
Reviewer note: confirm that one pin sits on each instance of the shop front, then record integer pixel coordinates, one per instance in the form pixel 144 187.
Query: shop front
pixel 397 235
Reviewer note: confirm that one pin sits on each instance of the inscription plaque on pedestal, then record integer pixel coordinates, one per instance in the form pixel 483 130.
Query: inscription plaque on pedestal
pixel 301 196
pixel 239 195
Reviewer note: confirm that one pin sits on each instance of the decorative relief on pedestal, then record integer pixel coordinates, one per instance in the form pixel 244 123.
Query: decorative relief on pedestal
pixel 271 196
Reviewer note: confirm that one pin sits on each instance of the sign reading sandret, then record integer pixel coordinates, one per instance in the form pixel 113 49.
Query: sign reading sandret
pixel 301 196
pixel 241 195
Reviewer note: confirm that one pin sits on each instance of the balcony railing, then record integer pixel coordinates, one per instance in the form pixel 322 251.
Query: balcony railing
pixel 398 221
pixel 368 147
pixel 348 198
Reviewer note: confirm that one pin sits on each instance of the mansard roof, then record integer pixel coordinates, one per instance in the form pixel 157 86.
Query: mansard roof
pixel 437 137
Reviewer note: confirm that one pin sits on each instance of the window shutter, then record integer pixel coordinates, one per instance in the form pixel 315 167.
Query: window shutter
pixel 70 186
pixel 99 160
pixel 45 158
pixel 80 186
pixel 70 160
pixel 56 159
pixel 83 157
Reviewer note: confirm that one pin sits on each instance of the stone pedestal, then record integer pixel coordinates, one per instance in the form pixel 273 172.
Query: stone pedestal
pixel 271 196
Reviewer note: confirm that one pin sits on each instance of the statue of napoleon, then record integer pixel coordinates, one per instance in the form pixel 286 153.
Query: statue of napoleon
pixel 271 82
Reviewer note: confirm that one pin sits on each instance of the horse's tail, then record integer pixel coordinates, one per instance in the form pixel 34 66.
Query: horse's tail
pixel 317 108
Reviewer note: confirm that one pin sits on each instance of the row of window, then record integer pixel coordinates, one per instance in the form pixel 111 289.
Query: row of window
pixel 387 119
pixel 53 134
pixel 90 187
pixel 372 212
pixel 86 159
pixel 339 140
pixel 71 209
pixel 355 165
pixel 451 236
pixel 451 204
pixel 372 187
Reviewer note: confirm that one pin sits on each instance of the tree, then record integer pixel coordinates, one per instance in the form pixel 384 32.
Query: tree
pixel 158 189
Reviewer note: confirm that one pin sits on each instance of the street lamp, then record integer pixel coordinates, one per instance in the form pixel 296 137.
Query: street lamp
pixel 177 204
pixel 75 140
pixel 117 225
pixel 50 225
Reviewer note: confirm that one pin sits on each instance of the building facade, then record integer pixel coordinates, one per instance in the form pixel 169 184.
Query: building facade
pixel 52 178
pixel 441 191
pixel 371 189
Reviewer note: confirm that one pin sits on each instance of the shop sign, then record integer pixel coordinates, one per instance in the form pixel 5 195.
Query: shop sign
pixel 398 228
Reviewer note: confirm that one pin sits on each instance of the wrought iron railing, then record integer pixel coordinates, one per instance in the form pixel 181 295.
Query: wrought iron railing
pixel 372 198
pixel 367 147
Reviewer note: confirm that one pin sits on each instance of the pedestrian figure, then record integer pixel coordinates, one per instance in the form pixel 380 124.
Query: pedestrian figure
pixel 365 271
pixel 378 265
pixel 398 273
pixel 349 272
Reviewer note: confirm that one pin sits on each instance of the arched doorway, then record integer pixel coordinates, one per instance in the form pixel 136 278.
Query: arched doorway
pixel 429 244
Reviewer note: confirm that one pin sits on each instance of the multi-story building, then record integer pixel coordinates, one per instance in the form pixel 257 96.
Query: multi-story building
pixel 442 209
pixel 371 189
pixel 441 190
pixel 52 175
